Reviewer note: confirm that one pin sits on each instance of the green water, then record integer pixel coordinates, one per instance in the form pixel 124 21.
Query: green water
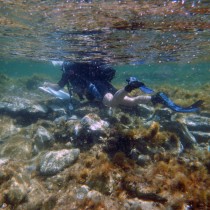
pixel 171 74
pixel 183 75
pixel 28 68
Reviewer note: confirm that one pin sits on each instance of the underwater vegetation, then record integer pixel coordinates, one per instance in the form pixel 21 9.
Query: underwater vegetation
pixel 168 181
pixel 125 161
pixel 33 82
pixel 4 81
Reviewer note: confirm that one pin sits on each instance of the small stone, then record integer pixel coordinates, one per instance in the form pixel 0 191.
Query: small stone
pixel 82 192
pixel 143 159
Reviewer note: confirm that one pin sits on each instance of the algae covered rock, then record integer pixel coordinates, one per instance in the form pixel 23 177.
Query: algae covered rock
pixel 16 194
pixel 16 148
pixel 18 189
pixel 36 198
pixel 55 161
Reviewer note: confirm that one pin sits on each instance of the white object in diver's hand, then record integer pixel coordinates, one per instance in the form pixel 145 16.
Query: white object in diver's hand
pixel 58 94
pixel 57 63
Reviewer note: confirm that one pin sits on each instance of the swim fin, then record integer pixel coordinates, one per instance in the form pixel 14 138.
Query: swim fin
pixel 134 83
pixel 145 89
pixel 162 98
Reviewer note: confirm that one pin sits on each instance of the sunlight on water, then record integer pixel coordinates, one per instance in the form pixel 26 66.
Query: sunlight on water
pixel 120 32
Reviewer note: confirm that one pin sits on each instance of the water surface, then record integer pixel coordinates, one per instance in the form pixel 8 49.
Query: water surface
pixel 120 32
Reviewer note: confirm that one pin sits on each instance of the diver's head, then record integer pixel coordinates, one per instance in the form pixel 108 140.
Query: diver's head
pixel 67 65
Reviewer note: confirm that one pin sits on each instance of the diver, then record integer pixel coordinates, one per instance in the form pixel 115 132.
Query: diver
pixel 93 80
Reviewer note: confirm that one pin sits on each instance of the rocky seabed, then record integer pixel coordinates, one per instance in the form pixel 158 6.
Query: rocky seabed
pixel 91 158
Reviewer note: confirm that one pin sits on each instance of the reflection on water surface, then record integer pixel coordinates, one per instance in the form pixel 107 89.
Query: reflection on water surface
pixel 118 31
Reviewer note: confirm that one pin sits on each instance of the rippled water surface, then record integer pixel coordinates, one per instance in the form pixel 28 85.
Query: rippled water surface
pixel 120 32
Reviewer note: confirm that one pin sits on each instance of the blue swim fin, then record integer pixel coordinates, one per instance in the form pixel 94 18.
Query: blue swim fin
pixel 145 89
pixel 162 98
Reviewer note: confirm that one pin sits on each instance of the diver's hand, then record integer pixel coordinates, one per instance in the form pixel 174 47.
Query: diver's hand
pixel 52 85
pixel 46 84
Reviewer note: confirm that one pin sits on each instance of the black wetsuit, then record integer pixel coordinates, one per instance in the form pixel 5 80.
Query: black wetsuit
pixel 82 75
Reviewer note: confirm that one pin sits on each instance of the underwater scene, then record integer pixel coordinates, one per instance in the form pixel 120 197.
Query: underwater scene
pixel 65 149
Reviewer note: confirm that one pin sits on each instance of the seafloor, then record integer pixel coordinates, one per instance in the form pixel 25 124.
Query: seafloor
pixel 92 157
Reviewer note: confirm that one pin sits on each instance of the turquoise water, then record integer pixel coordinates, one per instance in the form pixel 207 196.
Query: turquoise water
pixel 183 75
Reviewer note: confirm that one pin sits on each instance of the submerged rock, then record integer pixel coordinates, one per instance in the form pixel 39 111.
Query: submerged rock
pixel 186 137
pixel 183 125
pixel 197 123
pixel 90 128
pixel 136 204
pixel 16 194
pixel 17 104
pixel 7 128
pixel 140 158
pixel 95 196
pixel 16 148
pixel 55 161
pixel 42 139
pixel 18 189
pixel 198 126
pixel 201 136
pixel 82 192
pixel 145 111
pixel 93 123
pixel 36 197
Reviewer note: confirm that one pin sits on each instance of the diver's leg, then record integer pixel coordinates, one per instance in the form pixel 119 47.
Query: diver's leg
pixel 116 99
pixel 133 101
pixel 121 98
